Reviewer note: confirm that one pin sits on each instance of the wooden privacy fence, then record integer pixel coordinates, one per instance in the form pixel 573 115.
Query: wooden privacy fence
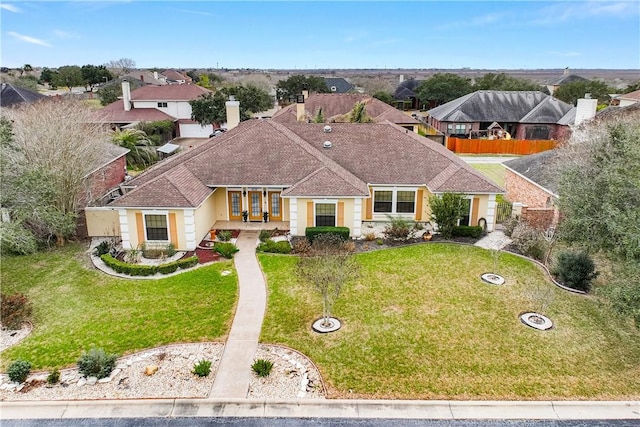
pixel 499 146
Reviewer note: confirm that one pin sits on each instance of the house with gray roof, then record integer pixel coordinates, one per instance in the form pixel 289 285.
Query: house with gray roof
pixel 338 85
pixel 13 95
pixel 523 114
pixel 406 93
pixel 298 175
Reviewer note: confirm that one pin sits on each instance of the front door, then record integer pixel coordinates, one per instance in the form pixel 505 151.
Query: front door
pixel 235 205
pixel 255 205
pixel 275 206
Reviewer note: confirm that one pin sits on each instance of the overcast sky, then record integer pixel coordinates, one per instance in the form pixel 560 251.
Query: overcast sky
pixel 304 34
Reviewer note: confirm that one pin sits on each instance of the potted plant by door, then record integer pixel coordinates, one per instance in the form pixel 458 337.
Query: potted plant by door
pixel 245 215
pixel 265 216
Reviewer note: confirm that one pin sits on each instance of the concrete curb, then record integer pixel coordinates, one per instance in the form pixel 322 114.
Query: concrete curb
pixel 354 409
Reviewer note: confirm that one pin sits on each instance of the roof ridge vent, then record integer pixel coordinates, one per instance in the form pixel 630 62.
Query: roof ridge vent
pixel 327 144
pixel 327 129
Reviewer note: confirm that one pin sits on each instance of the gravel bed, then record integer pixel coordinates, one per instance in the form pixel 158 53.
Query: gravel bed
pixel 10 337
pixel 292 376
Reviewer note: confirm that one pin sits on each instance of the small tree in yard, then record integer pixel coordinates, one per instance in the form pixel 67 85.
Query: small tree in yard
pixel 327 268
pixel 446 211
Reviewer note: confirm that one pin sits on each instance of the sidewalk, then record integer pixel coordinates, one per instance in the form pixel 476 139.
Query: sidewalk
pixel 354 409
pixel 234 373
pixel 494 240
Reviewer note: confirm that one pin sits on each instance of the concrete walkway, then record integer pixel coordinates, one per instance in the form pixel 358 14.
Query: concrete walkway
pixel 234 373
pixel 494 240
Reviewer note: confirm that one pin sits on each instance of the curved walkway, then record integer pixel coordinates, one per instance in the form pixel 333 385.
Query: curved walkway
pixel 234 372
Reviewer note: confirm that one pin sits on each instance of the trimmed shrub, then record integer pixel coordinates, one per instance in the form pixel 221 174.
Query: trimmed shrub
pixel 14 310
pixel 575 270
pixel 264 235
pixel 467 231
pixel 262 367
pixel 509 225
pixel 130 269
pixel 19 370
pixel 185 263
pixel 202 368
pixel 224 235
pixel 53 377
pixel 398 228
pixel 225 249
pixel 529 241
pixel 312 232
pixel 97 363
pixel 282 247
pixel 301 245
pixel 170 267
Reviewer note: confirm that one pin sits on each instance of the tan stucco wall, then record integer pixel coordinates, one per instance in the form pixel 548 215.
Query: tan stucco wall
pixel 205 216
pixel 220 199
pixel 285 209
pixel 133 227
pixel 102 222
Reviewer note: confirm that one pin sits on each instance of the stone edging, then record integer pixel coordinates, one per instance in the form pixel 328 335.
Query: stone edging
pixel 324 387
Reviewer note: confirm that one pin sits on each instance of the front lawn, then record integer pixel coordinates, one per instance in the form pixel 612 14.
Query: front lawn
pixel 419 324
pixel 77 307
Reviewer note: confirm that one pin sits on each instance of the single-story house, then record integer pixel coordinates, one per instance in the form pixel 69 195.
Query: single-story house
pixel 152 103
pixel 11 95
pixel 626 99
pixel 338 85
pixel 176 77
pixel 524 114
pixel 553 84
pixel 405 93
pixel 336 106
pixel 299 174
pixel 532 186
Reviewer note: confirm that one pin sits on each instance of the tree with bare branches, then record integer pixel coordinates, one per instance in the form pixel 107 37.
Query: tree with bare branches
pixel 52 148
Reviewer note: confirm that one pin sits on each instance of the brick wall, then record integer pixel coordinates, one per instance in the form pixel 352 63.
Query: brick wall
pixel 522 191
pixel 540 218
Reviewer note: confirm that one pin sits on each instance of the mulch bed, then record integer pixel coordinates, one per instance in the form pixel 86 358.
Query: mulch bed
pixel 204 255
pixel 234 233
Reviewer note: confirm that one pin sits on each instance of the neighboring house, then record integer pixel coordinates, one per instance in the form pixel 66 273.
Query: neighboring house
pixel 524 114
pixel 566 77
pixel 151 103
pixel 336 107
pixel 148 77
pixel 405 94
pixel 338 85
pixel 531 183
pixel 626 99
pixel 14 95
pixel 301 175
pixel 108 172
pixel 176 77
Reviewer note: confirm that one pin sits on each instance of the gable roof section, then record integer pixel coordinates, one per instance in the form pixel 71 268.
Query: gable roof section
pixel 186 92
pixel 502 106
pixel 146 77
pixel 406 89
pixel 267 153
pixel 537 169
pixel 107 153
pixel 566 78
pixel 175 75
pixel 12 95
pixel 341 85
pixel 631 96
pixel 335 105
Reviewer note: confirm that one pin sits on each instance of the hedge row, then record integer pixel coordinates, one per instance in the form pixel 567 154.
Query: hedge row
pixel 148 270
pixel 312 232
pixel 281 247
pixel 467 231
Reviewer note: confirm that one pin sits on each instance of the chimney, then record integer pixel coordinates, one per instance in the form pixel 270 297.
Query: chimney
pixel 300 115
pixel 155 75
pixel 233 112
pixel 142 77
pixel 401 78
pixel 126 95
pixel 586 109
pixel 566 71
pixel 305 91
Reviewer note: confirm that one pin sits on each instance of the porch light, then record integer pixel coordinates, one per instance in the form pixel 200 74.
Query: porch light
pixel 264 193
pixel 244 192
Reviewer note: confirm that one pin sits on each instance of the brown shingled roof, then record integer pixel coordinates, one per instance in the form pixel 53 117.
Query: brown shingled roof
pixel 115 113
pixel 168 93
pixel 335 105
pixel 266 153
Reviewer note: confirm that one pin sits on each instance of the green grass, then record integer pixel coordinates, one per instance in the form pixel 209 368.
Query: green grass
pixel 419 324
pixel 494 171
pixel 76 308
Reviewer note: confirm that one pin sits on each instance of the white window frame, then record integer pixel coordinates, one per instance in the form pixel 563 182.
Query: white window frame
pixel 326 202
pixel 394 201
pixel 163 104
pixel 144 224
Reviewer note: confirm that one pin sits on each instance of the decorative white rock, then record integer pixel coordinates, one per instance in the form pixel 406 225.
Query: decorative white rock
pixel 92 380
pixel 225 273
pixel 494 279
pixel 82 381
pixel 536 320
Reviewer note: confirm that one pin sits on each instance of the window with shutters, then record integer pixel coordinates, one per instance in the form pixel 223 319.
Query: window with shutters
pixel 325 214
pixel 156 228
